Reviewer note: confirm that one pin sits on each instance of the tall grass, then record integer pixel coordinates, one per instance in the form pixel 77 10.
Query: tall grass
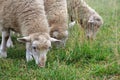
pixel 80 59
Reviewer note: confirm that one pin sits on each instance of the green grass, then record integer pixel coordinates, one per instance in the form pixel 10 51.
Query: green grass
pixel 80 59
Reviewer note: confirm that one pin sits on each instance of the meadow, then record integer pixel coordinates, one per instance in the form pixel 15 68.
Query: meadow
pixel 81 59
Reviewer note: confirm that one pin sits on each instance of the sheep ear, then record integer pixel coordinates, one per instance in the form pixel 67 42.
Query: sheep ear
pixel 54 40
pixel 24 39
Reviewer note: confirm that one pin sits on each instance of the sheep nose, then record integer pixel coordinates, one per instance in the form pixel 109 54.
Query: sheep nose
pixel 88 37
pixel 42 64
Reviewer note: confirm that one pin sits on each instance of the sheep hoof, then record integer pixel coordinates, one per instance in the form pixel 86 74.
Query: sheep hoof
pixel 3 54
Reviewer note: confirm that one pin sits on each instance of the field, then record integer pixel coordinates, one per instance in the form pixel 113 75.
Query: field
pixel 80 59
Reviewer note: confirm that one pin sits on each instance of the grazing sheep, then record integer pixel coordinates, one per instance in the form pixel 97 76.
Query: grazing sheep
pixel 28 18
pixel 56 11
pixel 87 17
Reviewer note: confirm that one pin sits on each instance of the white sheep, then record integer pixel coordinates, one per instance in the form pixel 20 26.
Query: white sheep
pixel 28 18
pixel 87 17
pixel 57 16
pixel 56 11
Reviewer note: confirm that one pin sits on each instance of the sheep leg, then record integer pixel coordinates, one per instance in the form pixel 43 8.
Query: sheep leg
pixel 28 52
pixel 9 42
pixel 3 48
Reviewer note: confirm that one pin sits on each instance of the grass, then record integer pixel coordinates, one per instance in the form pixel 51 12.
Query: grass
pixel 80 59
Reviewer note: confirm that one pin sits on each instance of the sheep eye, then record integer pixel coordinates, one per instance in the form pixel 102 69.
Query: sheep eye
pixel 98 19
pixel 34 47
pixel 49 47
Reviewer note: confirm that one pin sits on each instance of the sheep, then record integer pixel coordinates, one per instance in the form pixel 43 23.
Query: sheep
pixel 58 23
pixel 56 11
pixel 28 18
pixel 87 17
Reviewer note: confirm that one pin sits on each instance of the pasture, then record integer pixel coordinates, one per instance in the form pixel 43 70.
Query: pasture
pixel 80 59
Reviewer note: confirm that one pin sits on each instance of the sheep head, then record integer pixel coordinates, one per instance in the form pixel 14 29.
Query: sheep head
pixel 93 24
pixel 61 35
pixel 39 45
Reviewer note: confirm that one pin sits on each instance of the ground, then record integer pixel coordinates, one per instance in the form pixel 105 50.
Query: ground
pixel 80 59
